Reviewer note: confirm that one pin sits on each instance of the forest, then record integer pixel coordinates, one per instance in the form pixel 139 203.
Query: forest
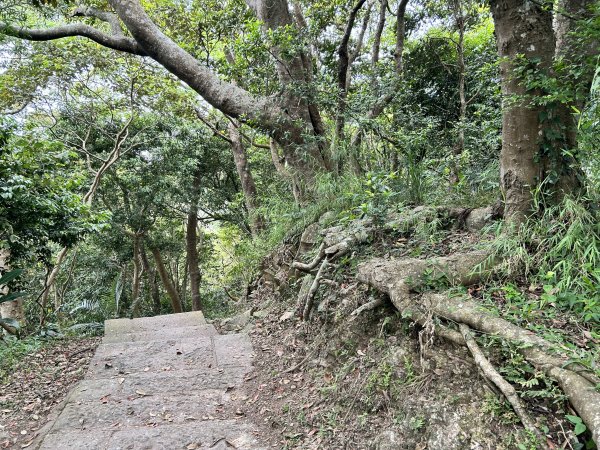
pixel 366 187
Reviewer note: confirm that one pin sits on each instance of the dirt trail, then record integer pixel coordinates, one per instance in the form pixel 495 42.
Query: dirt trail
pixel 165 382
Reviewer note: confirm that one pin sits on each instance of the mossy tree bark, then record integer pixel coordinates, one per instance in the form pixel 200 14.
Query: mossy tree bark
pixel 13 309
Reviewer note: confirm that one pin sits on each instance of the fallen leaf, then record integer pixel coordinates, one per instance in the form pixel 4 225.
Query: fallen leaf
pixel 286 316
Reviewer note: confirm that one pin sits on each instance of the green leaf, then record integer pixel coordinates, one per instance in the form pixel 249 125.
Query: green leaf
pixel 580 428
pixel 573 419
pixel 9 276
pixel 12 296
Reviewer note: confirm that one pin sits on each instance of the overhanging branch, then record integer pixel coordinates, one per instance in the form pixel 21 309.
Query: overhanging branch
pixel 110 18
pixel 115 42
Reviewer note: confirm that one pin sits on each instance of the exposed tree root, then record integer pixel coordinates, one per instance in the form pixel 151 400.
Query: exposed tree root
pixel 505 387
pixel 397 277
pixel 313 264
pixel 301 363
pixel 339 240
pixel 367 307
pixel 310 297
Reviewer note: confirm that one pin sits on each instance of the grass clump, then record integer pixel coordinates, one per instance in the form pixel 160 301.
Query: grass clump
pixel 560 253
pixel 13 350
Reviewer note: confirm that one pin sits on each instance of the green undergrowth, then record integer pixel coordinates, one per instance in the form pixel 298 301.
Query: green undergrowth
pixel 13 350
pixel 557 257
pixel 374 195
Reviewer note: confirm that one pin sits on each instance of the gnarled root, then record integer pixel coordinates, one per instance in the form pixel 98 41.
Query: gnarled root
pixel 397 277
pixel 313 264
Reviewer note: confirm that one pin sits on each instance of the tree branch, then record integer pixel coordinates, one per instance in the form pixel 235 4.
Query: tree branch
pixel 377 37
pixel 226 97
pixel 343 64
pixel 115 42
pixel 110 18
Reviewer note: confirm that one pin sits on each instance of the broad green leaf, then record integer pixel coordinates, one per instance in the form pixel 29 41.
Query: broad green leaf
pixel 12 296
pixel 9 276
pixel 580 428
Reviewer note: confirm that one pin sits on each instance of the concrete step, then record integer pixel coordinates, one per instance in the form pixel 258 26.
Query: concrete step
pixel 157 383
pixel 139 410
pixel 195 331
pixel 208 434
pixel 165 382
pixel 149 324
pixel 115 359
pixel 152 356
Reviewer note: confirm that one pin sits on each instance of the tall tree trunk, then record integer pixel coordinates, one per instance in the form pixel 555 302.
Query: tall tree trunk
pixel 137 276
pixel 459 146
pixel 151 277
pixel 344 61
pixel 521 27
pixel 278 162
pixel 377 41
pixel 242 166
pixel 191 241
pixel 384 100
pixel 13 309
pixel 166 280
pixel 310 157
pixel 567 15
pixel 182 288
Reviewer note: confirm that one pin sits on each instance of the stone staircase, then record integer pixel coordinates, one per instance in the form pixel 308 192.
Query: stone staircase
pixel 164 382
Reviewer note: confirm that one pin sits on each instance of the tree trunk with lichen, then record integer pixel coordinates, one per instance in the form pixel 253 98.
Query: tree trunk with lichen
pixel 293 70
pixel 151 278
pixel 191 246
pixel 522 28
pixel 538 141
pixel 563 119
pixel 136 279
